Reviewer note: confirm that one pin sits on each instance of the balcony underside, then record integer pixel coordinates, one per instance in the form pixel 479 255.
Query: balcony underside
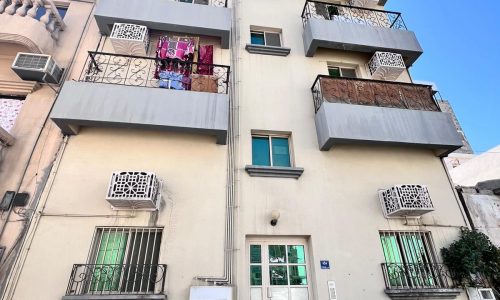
pixel 338 123
pixel 108 105
pixel 166 15
pixel 407 294
pixel 115 297
pixel 358 37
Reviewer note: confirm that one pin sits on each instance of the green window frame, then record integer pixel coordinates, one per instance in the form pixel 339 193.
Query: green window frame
pixel 271 150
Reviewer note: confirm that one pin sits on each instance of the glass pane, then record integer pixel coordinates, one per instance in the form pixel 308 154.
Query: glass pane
pixel 277 254
pixel 391 249
pixel 260 151
pixel 278 275
pixel 257 38
pixel 335 72
pixel 273 39
pixel 281 152
pixel 298 275
pixel 296 255
pixel 350 73
pixel 255 256
pixel 255 275
pixel 279 293
pixel 299 294
pixel 256 294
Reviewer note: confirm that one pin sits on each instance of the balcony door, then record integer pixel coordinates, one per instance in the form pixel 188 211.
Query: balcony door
pixel 279 270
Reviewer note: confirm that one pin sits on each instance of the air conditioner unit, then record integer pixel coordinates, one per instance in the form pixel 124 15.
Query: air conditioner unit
pixel 211 293
pixel 480 294
pixel 386 65
pixel 130 39
pixel 6 138
pixel 37 67
pixel 134 190
pixel 407 200
pixel 362 3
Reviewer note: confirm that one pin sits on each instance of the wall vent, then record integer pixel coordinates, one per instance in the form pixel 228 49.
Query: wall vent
pixel 386 66
pixel 37 67
pixel 129 39
pixel 408 200
pixel 134 190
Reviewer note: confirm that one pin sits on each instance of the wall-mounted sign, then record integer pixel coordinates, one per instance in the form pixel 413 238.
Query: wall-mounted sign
pixel 325 264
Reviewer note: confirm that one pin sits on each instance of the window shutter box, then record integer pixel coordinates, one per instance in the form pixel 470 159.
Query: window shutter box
pixel 408 200
pixel 134 190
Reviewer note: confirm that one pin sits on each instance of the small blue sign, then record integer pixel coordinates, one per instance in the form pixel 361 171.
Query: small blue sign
pixel 325 264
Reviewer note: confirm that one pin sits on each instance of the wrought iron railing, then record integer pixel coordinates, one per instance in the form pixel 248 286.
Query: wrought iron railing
pixel 416 276
pixel 373 93
pixel 352 14
pixel 156 73
pixel 92 279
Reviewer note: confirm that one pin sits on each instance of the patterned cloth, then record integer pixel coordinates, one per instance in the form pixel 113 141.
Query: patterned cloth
pixel 9 109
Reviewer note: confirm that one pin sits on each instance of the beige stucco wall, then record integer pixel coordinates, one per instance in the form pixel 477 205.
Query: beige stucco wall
pixel 193 169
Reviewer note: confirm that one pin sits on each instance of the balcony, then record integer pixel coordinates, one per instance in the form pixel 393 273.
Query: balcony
pixel 418 281
pixel 360 111
pixel 116 281
pixel 212 19
pixel 146 93
pixel 36 25
pixel 352 28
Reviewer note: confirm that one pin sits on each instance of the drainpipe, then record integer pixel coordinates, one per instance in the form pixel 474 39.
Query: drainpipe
pixel 233 134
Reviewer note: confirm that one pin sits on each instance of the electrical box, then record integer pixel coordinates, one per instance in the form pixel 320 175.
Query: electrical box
pixel 20 199
pixel 7 200
pixel 211 293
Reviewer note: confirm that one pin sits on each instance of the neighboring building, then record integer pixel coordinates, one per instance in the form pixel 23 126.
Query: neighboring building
pixel 478 184
pixel 241 150
pixel 29 140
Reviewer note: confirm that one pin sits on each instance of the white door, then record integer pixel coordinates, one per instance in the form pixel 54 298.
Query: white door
pixel 278 270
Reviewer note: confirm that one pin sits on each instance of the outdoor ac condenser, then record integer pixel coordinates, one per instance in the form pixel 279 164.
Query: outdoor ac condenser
pixel 37 67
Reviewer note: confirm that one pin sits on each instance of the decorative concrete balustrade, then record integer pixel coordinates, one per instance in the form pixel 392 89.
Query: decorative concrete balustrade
pixel 15 27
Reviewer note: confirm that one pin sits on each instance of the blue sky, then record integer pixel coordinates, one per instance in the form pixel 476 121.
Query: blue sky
pixel 461 42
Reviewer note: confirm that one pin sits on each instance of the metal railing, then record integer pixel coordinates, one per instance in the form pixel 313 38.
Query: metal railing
pixel 112 279
pixel 372 92
pixel 152 72
pixel 352 14
pixel 416 276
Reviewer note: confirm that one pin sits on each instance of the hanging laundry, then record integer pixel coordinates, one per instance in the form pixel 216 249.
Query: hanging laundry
pixel 206 59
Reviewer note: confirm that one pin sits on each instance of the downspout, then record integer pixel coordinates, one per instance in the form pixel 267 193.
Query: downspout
pixel 231 192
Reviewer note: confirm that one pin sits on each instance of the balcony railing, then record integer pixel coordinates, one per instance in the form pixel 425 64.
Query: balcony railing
pixel 111 279
pixel 218 3
pixel 30 8
pixel 416 276
pixel 372 93
pixel 352 14
pixel 155 73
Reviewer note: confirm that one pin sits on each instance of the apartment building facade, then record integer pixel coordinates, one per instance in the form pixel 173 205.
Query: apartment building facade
pixel 242 150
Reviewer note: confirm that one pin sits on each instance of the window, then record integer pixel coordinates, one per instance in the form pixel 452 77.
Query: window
pixel 271 150
pixel 342 72
pixel 410 259
pixel 265 38
pixel 204 2
pixel 279 268
pixel 124 259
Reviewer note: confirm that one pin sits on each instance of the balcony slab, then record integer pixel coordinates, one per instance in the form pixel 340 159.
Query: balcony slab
pixel 417 294
pixel 358 37
pixel 166 15
pixel 339 123
pixel 108 105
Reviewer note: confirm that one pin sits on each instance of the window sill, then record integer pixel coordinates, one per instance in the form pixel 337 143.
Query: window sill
pixel 280 172
pixel 441 293
pixel 267 50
